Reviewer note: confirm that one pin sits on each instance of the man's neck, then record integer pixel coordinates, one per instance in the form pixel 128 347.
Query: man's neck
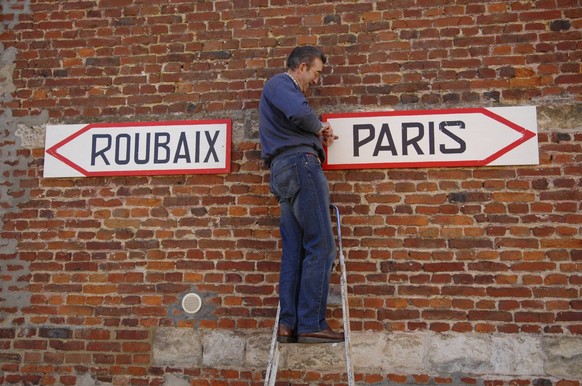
pixel 291 75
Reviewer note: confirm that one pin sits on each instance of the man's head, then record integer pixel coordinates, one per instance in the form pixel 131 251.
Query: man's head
pixel 305 64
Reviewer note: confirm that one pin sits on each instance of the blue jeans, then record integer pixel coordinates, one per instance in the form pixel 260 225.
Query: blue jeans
pixel 298 183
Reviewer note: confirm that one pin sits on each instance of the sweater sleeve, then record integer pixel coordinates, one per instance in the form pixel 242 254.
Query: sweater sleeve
pixel 293 104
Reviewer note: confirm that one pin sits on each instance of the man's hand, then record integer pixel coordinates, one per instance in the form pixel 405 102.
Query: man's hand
pixel 326 134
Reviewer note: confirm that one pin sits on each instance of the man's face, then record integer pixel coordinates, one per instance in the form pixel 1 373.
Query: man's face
pixel 309 75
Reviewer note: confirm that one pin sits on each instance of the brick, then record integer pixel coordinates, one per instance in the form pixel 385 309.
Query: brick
pixel 443 267
pixel 533 266
pixel 543 292
pixel 569 316
pixel 509 292
pixel 30 345
pixel 393 266
pixel 55 333
pixel 444 315
pixel 470 243
pixel 490 315
pixel 488 266
pixel 398 314
pixel 418 290
pixel 7 333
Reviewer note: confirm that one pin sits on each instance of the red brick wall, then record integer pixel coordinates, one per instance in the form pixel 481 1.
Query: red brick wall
pixel 485 250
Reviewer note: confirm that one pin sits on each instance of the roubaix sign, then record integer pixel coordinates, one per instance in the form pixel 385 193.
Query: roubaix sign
pixel 129 148
pixel 437 138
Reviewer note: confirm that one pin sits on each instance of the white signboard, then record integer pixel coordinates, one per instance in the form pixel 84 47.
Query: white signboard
pixel 434 138
pixel 130 148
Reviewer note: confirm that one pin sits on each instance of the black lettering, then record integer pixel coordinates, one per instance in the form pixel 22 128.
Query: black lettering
pixel 413 141
pixel 197 151
pixel 147 150
pixel 462 144
pixel 359 143
pixel 101 152
pixel 211 142
pixel 118 139
pixel 385 132
pixel 182 144
pixel 159 143
pixel 431 143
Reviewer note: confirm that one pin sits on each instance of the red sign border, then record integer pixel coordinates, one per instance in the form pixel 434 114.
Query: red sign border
pixel 53 150
pixel 526 135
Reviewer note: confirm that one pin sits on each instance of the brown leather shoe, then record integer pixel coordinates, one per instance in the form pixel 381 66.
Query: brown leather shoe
pixel 286 334
pixel 323 336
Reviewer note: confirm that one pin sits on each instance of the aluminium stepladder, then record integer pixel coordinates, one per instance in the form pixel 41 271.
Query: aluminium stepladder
pixel 274 353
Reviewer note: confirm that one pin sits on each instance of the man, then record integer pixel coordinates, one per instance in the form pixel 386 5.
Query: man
pixel 292 139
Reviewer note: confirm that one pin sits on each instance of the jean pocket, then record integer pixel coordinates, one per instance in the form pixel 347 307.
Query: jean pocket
pixel 284 182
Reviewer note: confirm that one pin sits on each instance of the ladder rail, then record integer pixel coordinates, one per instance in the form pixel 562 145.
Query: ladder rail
pixel 274 353
pixel 345 305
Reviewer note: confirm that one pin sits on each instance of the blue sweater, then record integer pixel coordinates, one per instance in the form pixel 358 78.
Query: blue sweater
pixel 286 121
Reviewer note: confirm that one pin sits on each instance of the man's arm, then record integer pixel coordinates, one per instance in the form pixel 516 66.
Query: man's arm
pixel 293 104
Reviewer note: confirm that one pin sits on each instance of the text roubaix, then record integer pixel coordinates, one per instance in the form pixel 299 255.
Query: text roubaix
pixel 184 147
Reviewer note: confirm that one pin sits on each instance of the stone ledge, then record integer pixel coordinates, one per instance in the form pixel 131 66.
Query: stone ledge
pixel 415 352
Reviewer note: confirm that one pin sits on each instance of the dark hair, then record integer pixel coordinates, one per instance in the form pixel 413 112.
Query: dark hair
pixel 304 54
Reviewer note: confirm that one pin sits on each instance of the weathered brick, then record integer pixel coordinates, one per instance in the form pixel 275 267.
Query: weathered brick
pixel 509 292
pixel 397 314
pixel 55 333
